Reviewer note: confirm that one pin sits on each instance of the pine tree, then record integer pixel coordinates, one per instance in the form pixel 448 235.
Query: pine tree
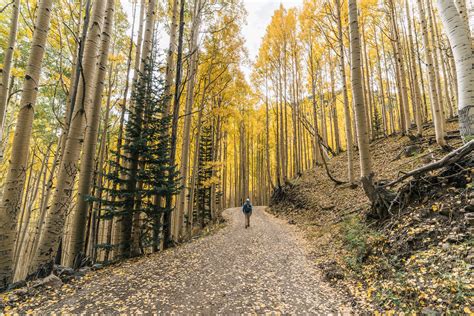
pixel 203 194
pixel 148 146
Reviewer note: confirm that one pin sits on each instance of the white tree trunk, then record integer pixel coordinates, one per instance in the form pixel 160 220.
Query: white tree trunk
pixel 434 97
pixel 460 40
pixel 79 216
pixel 170 67
pixel 55 220
pixel 357 93
pixel 181 202
pixel 13 189
pixel 7 63
pixel 347 111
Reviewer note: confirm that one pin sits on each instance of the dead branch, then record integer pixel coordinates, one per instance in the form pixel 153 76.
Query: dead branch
pixel 337 182
pixel 450 158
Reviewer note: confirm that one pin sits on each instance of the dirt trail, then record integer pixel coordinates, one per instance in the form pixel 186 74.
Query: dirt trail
pixel 261 269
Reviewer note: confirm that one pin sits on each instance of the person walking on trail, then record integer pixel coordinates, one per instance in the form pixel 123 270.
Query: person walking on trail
pixel 247 210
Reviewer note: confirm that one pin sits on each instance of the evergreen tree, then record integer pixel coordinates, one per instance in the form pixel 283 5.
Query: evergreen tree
pixel 203 196
pixel 149 148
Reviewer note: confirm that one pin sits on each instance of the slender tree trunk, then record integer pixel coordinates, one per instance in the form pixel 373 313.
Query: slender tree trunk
pixel 170 65
pixel 7 63
pixel 25 201
pixel 192 190
pixel 267 130
pixel 179 218
pixel 317 148
pixel 434 41
pixel 381 87
pixel 337 142
pixel 77 241
pixel 435 106
pixel 13 189
pixel 123 229
pixel 401 71
pixel 416 95
pixel 357 93
pixel 54 225
pixel 97 206
pixel 21 245
pixel 461 44
pixel 368 87
pixel 167 229
pixel 347 112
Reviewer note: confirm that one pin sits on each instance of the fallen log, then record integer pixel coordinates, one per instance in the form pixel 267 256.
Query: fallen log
pixel 453 157
pixel 383 199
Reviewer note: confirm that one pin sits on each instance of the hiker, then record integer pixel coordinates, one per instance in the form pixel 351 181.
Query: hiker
pixel 247 210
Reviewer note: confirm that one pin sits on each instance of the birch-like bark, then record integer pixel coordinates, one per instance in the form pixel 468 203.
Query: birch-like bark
pixel 7 63
pixel 167 219
pixel 170 66
pixel 434 98
pixel 357 93
pixel 14 184
pixel 181 204
pixel 461 44
pixel 401 71
pixel 77 241
pixel 347 112
pixel 416 96
pixel 55 219
pixel 436 61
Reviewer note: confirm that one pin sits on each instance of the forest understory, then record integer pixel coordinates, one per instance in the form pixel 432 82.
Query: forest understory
pixel 421 258
pixel 127 127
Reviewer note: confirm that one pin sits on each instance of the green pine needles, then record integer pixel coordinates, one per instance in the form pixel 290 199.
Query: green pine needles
pixel 138 185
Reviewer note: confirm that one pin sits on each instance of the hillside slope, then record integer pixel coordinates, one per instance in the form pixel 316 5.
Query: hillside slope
pixel 418 260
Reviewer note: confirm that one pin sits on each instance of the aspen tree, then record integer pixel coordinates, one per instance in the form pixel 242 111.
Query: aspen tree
pixel 461 43
pixel 267 132
pixel 312 71
pixel 167 229
pixel 101 165
pixel 401 70
pixel 14 184
pixel 347 114
pixel 77 241
pixel 7 63
pixel 381 86
pixel 337 142
pixel 53 228
pixel 436 61
pixel 416 95
pixel 170 65
pixel 357 93
pixel 181 205
pixel 434 98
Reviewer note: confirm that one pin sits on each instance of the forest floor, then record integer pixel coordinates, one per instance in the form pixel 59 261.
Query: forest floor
pixel 262 269
pixel 419 260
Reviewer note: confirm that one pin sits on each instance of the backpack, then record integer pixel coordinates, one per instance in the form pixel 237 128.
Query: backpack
pixel 247 208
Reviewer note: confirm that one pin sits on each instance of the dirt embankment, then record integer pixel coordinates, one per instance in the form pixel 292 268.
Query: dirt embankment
pixel 421 259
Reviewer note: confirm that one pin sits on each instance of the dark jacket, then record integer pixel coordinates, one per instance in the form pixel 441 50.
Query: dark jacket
pixel 247 207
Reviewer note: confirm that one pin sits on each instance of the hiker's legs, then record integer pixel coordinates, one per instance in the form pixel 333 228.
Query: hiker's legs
pixel 247 219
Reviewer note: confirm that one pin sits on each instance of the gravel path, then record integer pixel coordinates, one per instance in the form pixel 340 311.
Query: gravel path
pixel 257 270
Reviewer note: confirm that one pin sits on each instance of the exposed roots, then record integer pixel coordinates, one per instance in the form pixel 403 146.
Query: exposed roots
pixel 454 169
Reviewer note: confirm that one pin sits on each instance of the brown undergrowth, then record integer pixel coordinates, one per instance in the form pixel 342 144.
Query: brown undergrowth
pixel 419 260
